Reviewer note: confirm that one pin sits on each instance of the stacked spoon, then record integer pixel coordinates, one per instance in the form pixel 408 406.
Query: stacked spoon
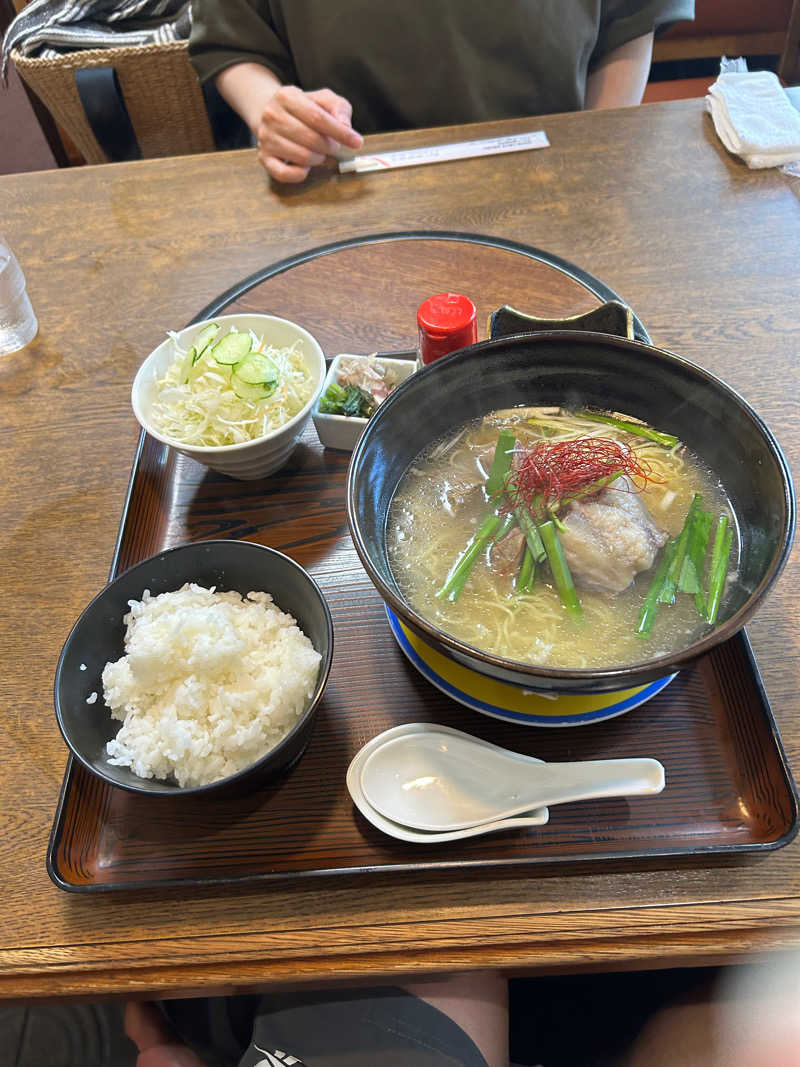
pixel 427 783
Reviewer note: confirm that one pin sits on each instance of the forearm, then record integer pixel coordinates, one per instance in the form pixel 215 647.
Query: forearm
pixel 247 87
pixel 619 79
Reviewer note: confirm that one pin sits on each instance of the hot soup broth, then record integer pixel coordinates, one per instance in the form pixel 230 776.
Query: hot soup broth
pixel 441 502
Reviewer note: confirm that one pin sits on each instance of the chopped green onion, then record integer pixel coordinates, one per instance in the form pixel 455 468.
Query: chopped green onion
pixel 501 463
pixel 639 429
pixel 720 555
pixel 649 610
pixel 532 536
pixel 687 579
pixel 670 587
pixel 458 575
pixel 508 522
pixel 691 576
pixel 559 525
pixel 666 593
pixel 527 573
pixel 685 571
pixel 526 523
pixel 560 570
pixel 460 571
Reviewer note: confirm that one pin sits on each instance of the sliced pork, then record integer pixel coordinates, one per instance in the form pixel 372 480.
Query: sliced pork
pixel 506 554
pixel 609 539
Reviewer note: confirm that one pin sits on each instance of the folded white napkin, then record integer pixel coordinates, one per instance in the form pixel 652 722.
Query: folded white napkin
pixel 754 118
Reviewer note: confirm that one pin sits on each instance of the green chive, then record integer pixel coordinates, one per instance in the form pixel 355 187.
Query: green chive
pixel 639 429
pixel 720 555
pixel 649 609
pixel 527 573
pixel 560 570
pixel 501 463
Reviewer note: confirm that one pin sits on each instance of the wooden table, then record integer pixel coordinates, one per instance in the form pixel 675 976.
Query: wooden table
pixel 707 252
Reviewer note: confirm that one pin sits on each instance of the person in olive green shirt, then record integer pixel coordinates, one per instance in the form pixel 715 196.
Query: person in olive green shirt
pixel 303 73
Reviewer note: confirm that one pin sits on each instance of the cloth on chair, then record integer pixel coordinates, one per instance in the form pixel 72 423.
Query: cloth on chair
pixel 49 28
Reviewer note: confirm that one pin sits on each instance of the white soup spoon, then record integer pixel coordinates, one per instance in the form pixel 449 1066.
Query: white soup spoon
pixel 442 782
pixel 526 820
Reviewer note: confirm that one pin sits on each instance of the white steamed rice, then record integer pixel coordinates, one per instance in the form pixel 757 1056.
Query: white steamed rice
pixel 208 684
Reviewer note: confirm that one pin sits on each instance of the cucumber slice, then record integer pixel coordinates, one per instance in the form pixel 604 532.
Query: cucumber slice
pixel 252 390
pixel 202 341
pixel 231 349
pixel 257 369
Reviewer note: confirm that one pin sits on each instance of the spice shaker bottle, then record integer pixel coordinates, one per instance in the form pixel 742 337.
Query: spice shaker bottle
pixel 446 321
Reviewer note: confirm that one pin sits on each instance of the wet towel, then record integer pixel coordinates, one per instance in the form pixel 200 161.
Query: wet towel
pixel 754 118
pixel 47 29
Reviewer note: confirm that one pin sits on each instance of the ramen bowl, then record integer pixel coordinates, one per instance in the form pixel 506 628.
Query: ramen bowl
pixel 572 369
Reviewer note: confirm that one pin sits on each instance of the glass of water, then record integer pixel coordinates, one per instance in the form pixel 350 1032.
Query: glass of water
pixel 18 323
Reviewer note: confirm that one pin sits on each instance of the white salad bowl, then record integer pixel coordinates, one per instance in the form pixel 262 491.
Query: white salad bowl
pixel 250 459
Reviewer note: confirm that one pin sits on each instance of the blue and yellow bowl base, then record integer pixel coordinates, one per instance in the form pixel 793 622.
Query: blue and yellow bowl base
pixel 504 701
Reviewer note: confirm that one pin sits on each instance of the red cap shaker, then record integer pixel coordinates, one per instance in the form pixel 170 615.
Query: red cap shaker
pixel 446 322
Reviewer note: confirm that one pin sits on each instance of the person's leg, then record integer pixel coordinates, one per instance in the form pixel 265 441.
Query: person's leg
pixel 458 1021
pixel 478 1003
pixel 158 1046
pixel 384 1026
pixel 751 1018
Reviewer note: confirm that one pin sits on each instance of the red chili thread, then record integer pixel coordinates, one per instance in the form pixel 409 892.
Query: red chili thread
pixel 551 474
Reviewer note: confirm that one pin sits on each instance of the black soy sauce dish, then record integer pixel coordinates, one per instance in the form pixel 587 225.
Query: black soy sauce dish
pixel 98 638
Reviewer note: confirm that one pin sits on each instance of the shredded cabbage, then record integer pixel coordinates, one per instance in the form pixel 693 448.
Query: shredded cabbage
pixel 196 405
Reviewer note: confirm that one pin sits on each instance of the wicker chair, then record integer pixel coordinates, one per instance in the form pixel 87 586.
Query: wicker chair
pixel 159 86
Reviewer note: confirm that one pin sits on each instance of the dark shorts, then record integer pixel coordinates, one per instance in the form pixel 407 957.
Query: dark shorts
pixel 330 1028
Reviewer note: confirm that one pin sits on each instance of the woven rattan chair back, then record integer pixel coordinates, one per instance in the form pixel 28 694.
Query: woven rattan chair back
pixel 160 88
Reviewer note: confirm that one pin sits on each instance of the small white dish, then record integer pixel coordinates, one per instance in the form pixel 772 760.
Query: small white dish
pixel 444 781
pixel 343 431
pixel 250 459
pixel 403 833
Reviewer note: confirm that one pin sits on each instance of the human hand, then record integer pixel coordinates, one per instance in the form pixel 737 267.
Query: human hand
pixel 157 1045
pixel 298 130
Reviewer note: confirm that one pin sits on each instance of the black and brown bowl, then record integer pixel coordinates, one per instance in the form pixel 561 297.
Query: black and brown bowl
pixel 572 368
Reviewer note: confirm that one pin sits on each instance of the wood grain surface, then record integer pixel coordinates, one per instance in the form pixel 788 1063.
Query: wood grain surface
pixel 708 254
